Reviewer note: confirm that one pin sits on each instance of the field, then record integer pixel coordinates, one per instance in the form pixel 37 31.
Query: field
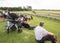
pixel 27 36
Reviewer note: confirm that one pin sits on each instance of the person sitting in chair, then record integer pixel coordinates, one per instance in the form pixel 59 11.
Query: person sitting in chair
pixel 26 24
pixel 12 20
pixel 42 35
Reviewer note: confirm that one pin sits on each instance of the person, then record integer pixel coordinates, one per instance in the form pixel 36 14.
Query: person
pixel 26 24
pixel 12 19
pixel 42 35
pixel 3 14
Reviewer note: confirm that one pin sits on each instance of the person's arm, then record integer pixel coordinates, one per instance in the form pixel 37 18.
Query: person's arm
pixel 45 32
pixel 50 33
pixel 27 22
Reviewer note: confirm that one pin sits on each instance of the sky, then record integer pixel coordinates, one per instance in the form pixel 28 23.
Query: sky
pixel 36 4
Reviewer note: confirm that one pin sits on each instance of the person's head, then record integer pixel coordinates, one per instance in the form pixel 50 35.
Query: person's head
pixel 27 19
pixel 41 24
pixel 6 11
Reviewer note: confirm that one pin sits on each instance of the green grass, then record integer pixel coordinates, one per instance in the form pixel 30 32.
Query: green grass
pixel 27 36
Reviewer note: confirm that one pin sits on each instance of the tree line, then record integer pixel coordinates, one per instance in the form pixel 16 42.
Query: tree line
pixel 28 8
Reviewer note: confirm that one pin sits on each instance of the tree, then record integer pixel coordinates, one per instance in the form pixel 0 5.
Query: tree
pixel 29 8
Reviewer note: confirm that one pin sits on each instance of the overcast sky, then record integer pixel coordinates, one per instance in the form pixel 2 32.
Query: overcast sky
pixel 36 4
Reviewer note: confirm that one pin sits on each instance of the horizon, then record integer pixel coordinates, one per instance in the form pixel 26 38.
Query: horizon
pixel 36 4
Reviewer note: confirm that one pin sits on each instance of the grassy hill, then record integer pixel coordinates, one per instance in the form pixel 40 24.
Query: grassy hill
pixel 27 36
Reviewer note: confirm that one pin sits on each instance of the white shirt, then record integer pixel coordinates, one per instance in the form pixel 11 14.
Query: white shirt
pixel 40 32
pixel 22 19
pixel 6 13
pixel 3 12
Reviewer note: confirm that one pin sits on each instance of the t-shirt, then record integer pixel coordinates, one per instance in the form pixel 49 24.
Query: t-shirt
pixel 40 32
pixel 3 12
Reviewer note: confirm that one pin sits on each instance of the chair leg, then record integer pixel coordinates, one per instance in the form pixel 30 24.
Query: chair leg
pixel 8 30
